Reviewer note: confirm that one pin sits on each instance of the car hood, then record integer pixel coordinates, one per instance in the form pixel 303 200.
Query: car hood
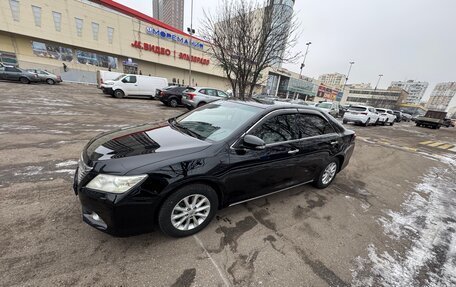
pixel 142 144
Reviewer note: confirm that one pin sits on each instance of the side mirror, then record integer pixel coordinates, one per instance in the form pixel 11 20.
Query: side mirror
pixel 253 142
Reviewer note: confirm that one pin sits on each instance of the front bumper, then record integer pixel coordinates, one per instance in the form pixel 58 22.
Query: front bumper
pixel 188 103
pixel 125 214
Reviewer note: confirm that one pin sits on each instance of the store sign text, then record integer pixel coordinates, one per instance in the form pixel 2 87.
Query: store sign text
pixel 173 37
pixel 167 52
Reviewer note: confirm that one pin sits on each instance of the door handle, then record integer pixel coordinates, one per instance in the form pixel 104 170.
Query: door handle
pixel 293 151
pixel 334 142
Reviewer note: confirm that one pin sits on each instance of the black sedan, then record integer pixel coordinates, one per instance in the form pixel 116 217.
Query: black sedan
pixel 171 96
pixel 177 174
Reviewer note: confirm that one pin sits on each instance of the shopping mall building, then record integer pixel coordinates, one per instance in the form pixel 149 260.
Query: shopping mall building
pixel 87 36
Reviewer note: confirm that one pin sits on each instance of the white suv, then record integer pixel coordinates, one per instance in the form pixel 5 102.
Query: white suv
pixel 364 115
pixel 386 116
pixel 194 97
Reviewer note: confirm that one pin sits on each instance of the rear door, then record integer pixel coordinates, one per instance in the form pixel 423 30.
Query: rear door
pixel 319 142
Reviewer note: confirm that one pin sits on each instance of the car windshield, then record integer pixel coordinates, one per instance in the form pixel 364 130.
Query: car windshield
pixel 358 109
pixel 119 77
pixel 324 105
pixel 215 121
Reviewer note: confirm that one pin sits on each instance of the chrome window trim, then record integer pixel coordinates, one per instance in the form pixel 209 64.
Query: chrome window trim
pixel 280 111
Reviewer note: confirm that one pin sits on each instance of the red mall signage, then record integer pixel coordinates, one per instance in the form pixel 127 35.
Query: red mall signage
pixel 167 52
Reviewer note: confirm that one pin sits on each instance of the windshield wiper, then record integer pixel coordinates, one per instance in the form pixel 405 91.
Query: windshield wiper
pixel 185 129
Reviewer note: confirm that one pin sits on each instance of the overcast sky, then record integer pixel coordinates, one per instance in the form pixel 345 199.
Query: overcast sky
pixel 401 39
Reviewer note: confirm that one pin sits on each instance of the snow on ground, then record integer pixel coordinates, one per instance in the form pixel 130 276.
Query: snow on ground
pixel 427 225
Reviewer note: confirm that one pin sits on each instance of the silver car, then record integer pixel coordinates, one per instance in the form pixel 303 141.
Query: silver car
pixel 45 76
pixel 197 96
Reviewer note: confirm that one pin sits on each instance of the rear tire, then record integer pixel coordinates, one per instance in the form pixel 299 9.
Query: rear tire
pixel 201 104
pixel 344 122
pixel 367 122
pixel 185 202
pixel 24 80
pixel 173 103
pixel 119 94
pixel 50 81
pixel 327 174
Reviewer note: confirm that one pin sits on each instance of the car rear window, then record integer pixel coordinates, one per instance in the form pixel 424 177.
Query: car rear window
pixel 189 90
pixel 380 110
pixel 359 109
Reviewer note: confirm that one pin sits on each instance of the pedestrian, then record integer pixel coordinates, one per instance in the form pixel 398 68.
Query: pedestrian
pixel 140 72
pixel 65 68
pixel 109 68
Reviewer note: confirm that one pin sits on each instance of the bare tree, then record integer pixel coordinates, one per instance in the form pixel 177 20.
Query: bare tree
pixel 247 37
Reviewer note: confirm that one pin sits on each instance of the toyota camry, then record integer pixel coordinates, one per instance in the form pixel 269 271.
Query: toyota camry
pixel 175 175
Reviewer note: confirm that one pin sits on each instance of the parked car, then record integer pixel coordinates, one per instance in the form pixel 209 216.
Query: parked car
pixel 299 102
pixel 364 115
pixel 342 110
pixel 398 115
pixel 158 91
pixel 447 122
pixel 45 76
pixel 16 74
pixel 197 96
pixel 406 117
pixel 179 173
pixel 134 85
pixel 385 116
pixel 331 108
pixel 171 96
pixel 103 76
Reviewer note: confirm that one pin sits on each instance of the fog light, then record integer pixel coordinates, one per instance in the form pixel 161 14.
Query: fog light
pixel 95 216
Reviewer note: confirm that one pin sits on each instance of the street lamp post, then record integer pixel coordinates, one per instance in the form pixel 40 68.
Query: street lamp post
pixel 190 31
pixel 305 55
pixel 348 74
pixel 378 81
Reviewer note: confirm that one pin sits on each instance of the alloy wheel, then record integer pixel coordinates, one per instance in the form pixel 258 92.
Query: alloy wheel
pixel 190 212
pixel 329 173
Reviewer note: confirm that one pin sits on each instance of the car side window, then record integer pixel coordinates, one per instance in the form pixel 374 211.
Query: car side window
pixel 11 69
pixel 277 129
pixel 222 94
pixel 211 92
pixel 203 91
pixel 312 125
pixel 129 79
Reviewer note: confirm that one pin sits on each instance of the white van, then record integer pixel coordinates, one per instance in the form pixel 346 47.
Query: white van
pixel 134 85
pixel 103 76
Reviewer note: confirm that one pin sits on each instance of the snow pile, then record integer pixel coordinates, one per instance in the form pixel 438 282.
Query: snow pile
pixel 428 220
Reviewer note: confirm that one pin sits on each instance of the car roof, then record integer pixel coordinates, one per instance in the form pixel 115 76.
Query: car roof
pixel 276 105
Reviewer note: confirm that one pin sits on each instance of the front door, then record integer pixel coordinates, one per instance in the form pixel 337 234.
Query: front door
pixel 257 172
pixel 130 85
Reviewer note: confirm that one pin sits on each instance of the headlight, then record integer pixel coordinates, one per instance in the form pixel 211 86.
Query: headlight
pixel 115 184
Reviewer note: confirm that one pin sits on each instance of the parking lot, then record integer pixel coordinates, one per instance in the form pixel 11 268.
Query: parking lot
pixel 389 218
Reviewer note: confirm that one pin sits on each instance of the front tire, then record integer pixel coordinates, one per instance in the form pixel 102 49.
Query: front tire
pixel 119 94
pixel 327 174
pixel 188 210
pixel 50 81
pixel 24 80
